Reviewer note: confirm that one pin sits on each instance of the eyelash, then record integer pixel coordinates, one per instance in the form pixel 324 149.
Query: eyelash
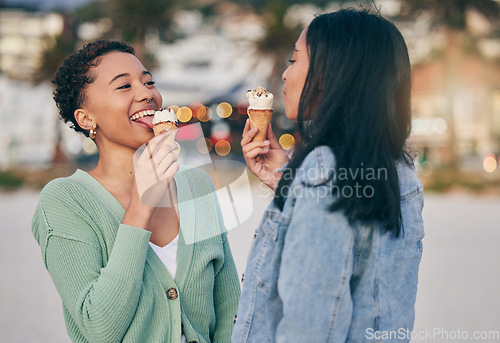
pixel 149 83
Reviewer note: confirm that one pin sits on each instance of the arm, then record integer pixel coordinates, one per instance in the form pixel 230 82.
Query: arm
pixel 101 300
pixel 101 296
pixel 315 271
pixel 226 295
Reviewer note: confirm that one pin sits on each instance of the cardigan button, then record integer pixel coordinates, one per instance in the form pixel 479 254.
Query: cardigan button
pixel 172 294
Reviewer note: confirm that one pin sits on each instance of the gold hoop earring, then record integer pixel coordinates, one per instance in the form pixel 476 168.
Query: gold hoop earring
pixel 92 133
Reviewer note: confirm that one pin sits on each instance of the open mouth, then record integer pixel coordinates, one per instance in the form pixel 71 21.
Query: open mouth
pixel 141 114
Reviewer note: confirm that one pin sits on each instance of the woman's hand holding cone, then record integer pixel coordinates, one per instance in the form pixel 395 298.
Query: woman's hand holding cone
pixel 271 155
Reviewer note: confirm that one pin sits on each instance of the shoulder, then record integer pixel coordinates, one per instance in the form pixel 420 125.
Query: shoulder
pixel 409 183
pixel 61 190
pixel 64 210
pixel 69 200
pixel 317 168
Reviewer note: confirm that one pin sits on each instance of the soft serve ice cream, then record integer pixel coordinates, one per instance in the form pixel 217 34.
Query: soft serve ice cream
pixel 260 99
pixel 163 120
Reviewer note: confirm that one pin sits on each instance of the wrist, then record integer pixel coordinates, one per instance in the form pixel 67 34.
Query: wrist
pixel 137 214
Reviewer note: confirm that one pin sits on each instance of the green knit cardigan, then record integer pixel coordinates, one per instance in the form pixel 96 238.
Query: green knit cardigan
pixel 112 284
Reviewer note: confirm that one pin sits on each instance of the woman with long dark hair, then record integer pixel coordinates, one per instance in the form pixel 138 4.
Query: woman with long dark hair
pixel 336 256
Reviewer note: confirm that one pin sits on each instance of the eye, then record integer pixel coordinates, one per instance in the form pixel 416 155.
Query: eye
pixel 150 83
pixel 291 61
pixel 124 86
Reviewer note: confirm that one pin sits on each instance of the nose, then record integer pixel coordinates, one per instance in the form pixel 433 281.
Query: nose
pixel 283 76
pixel 145 94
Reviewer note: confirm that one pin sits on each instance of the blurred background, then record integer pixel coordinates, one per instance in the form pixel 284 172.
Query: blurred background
pixel 204 56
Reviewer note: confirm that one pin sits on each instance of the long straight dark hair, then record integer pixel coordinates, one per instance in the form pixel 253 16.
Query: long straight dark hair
pixel 356 100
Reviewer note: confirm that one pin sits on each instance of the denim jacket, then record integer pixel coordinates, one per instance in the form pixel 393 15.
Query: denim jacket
pixel 312 277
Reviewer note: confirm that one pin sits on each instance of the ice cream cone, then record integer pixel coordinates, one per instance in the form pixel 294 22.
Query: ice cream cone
pixel 160 127
pixel 260 119
pixel 260 111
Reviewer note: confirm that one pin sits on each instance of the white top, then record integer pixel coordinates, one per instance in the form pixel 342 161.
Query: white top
pixel 168 256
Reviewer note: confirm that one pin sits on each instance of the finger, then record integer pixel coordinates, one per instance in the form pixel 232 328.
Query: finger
pixel 159 155
pixel 174 168
pixel 248 134
pixel 254 145
pixel 166 145
pixel 272 138
pixel 170 171
pixel 256 152
pixel 168 134
pixel 248 137
pixel 162 168
pixel 155 141
pixel 162 162
pixel 160 140
pixel 177 148
pixel 144 156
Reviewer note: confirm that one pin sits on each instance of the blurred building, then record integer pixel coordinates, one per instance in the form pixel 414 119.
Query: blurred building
pixel 460 110
pixel 27 124
pixel 27 112
pixel 212 62
pixel 456 92
pixel 23 37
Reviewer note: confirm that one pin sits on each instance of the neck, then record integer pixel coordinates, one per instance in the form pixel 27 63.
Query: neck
pixel 115 167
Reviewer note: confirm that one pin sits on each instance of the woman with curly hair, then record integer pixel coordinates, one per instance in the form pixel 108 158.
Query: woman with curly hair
pixel 336 256
pixel 124 268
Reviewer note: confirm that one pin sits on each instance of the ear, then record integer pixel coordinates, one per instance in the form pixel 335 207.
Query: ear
pixel 84 119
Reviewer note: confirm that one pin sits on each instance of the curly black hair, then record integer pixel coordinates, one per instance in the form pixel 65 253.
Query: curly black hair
pixel 73 76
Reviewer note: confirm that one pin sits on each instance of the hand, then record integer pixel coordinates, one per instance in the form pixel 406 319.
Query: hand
pixel 154 166
pixel 271 155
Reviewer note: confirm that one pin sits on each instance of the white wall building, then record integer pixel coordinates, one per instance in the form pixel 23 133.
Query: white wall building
pixel 23 36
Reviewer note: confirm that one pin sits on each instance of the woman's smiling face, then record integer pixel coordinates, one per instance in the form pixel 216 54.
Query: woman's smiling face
pixel 122 88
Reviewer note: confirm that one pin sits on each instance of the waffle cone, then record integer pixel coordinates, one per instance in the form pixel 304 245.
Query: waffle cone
pixel 260 119
pixel 160 127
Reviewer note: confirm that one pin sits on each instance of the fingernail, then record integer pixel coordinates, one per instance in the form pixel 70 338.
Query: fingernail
pixel 266 142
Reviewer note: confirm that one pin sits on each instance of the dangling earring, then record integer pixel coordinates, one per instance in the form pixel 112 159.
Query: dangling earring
pixel 92 131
